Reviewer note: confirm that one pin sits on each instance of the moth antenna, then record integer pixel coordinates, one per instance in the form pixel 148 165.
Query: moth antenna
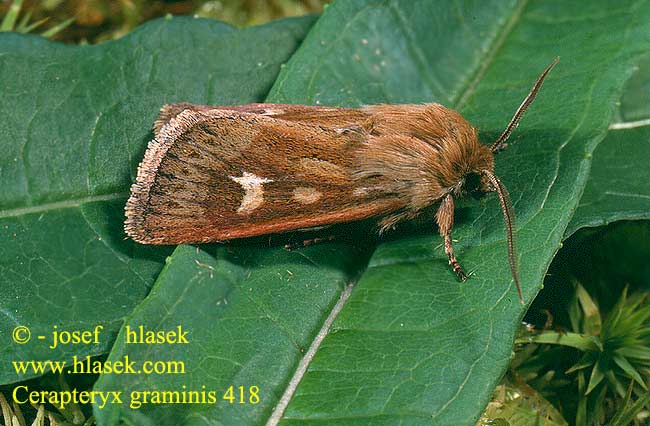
pixel 499 144
pixel 508 217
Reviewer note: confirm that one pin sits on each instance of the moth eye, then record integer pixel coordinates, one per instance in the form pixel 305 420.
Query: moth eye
pixel 474 185
pixel 472 182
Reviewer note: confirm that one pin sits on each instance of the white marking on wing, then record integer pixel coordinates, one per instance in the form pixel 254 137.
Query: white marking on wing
pixel 254 192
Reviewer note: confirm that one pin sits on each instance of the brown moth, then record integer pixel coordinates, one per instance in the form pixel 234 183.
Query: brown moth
pixel 216 173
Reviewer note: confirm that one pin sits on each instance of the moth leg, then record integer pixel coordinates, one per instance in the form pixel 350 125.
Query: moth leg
pixel 389 222
pixel 309 242
pixel 445 220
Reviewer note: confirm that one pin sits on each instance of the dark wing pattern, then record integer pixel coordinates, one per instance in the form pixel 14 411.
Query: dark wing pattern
pixel 218 174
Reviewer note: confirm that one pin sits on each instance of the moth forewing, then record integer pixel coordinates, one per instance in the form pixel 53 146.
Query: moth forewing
pixel 217 174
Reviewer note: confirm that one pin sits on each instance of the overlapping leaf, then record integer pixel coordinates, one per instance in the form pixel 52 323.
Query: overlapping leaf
pixel 76 121
pixel 618 183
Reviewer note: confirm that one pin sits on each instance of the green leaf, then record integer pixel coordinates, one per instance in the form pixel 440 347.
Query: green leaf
pixel 75 124
pixel 412 345
pixel 597 375
pixel 249 314
pixel 57 28
pixel 617 314
pixel 597 414
pixel 627 414
pixel 629 369
pixel 573 340
pixel 637 352
pixel 581 410
pixel 617 187
pixel 9 21
pixel 587 360
pixel 591 321
pixel 614 383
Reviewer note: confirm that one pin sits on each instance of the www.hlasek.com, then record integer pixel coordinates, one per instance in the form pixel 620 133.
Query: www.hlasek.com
pixel 139 335
pixel 88 365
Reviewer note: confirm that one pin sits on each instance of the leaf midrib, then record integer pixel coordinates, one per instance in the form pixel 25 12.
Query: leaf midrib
pixel 490 54
pixel 59 205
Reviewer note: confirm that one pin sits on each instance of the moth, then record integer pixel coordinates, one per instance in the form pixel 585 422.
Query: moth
pixel 217 173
